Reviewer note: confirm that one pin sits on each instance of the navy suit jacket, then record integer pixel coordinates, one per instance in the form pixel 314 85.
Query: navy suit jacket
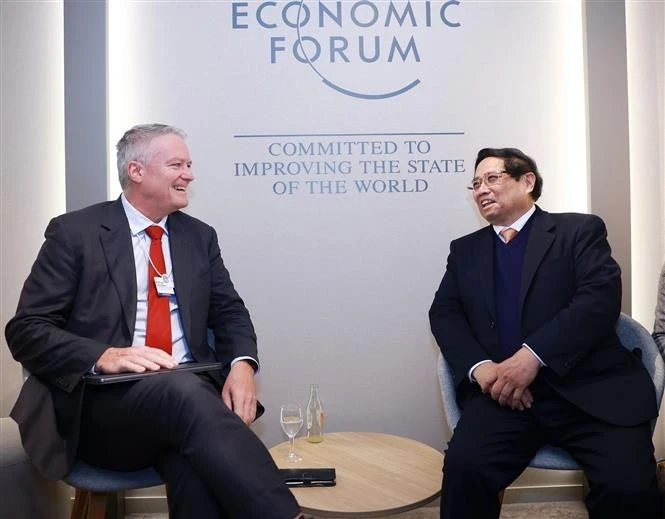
pixel 570 300
pixel 80 298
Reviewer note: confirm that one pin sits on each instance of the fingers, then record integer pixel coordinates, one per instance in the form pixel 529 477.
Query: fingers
pixel 133 359
pixel 239 392
pixel 514 375
pixel 515 400
pixel 226 397
pixel 241 403
pixel 515 397
pixel 527 398
pixel 521 369
pixel 521 399
pixel 500 387
pixel 246 409
pixel 155 356
pixel 505 395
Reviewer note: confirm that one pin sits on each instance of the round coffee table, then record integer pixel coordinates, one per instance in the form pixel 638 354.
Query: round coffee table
pixel 377 474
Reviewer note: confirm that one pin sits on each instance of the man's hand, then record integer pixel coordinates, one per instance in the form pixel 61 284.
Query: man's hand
pixel 485 375
pixel 514 375
pixel 239 391
pixel 135 359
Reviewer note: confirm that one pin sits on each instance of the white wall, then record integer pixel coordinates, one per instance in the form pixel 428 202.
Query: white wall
pixel 32 166
pixel 339 285
pixel 645 39
pixel 32 153
pixel 645 31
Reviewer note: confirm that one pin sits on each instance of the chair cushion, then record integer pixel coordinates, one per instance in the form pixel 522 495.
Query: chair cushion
pixel 550 457
pixel 91 478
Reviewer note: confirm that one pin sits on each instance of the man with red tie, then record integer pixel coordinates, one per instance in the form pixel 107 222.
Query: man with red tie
pixel 135 285
pixel 525 317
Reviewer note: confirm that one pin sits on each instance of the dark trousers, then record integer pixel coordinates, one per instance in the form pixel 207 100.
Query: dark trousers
pixel 213 464
pixel 491 446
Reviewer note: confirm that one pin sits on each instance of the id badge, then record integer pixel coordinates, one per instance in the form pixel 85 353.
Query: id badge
pixel 164 285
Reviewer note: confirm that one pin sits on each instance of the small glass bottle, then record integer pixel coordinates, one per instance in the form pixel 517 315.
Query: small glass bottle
pixel 314 416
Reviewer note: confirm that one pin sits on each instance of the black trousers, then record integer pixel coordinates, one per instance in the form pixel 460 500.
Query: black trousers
pixel 213 464
pixel 491 446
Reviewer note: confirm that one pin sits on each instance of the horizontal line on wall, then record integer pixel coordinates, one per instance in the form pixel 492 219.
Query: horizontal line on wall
pixel 379 134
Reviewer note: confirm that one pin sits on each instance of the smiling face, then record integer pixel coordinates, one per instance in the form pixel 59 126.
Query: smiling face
pixel 158 186
pixel 505 200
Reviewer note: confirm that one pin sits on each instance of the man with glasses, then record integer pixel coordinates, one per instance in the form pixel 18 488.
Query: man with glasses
pixel 525 317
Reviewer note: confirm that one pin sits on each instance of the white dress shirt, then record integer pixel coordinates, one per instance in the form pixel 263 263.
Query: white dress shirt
pixel 138 223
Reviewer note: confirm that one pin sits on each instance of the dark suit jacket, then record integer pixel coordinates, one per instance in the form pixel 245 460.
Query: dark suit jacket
pixel 80 298
pixel 570 297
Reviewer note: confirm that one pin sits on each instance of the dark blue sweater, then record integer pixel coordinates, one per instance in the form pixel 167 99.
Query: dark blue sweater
pixel 508 263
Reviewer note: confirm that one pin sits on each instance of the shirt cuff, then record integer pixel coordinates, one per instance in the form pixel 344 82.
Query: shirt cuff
pixel 252 361
pixel 525 345
pixel 473 380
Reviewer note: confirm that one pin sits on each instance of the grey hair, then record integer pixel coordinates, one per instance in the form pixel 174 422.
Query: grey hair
pixel 134 145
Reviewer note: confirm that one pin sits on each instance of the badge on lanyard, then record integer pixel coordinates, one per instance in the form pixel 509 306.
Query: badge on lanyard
pixel 164 285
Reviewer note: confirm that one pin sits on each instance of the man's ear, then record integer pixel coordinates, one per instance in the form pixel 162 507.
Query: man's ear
pixel 530 178
pixel 135 171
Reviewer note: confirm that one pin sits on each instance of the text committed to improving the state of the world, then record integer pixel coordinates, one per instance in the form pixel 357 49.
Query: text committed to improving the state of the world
pixel 338 167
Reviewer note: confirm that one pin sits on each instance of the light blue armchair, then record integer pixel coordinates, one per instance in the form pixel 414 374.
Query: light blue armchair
pixel 631 334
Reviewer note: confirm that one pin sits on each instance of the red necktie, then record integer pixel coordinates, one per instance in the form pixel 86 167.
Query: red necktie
pixel 508 233
pixel 158 326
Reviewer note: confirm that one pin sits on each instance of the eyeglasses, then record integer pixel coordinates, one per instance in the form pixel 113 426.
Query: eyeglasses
pixel 491 179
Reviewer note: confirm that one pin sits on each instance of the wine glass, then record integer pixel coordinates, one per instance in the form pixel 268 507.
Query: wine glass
pixel 290 416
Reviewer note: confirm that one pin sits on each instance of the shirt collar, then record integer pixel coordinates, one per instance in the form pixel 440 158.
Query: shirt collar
pixel 138 221
pixel 517 224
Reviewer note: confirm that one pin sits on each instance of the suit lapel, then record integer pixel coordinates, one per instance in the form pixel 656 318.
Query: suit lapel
pixel 115 237
pixel 541 238
pixel 181 248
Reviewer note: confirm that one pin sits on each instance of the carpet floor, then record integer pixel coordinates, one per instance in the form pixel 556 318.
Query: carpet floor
pixel 555 510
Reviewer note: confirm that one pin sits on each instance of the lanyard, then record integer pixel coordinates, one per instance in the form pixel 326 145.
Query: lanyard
pixel 165 277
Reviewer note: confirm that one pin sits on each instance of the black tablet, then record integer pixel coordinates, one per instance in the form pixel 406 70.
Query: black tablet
pixel 114 378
